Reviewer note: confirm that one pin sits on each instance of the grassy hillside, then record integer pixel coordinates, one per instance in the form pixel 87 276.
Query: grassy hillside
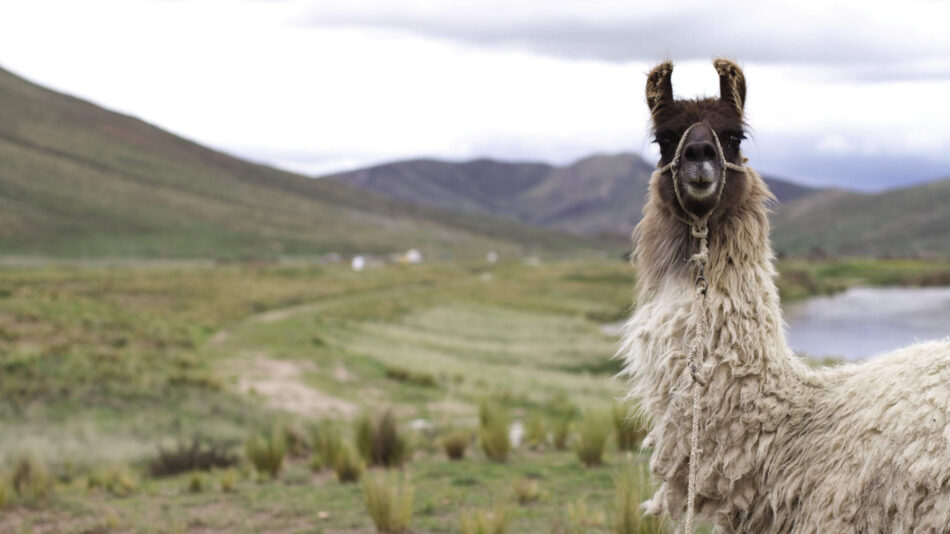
pixel 81 181
pixel 598 196
pixel 906 221
pixel 101 365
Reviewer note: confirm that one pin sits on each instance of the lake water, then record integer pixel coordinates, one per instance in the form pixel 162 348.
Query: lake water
pixel 862 321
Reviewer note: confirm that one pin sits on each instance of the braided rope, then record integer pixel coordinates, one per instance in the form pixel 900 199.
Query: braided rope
pixel 702 330
pixel 699 230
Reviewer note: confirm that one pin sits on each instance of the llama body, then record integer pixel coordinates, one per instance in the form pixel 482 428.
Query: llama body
pixel 860 448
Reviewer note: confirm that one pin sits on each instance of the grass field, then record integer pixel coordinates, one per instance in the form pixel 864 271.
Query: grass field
pixel 101 365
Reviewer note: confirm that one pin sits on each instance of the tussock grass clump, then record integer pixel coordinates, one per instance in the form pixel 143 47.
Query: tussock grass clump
pixel 379 440
pixel 494 521
pixel 455 442
pixel 527 491
pixel 326 441
pixel 298 443
pixel 30 478
pixel 195 454
pixel 197 482
pixel 561 432
pixel 630 426
pixel 631 485
pixel 582 518
pixel 593 431
pixel 119 480
pixel 266 451
pixel 227 480
pixel 389 502
pixel 419 378
pixel 5 492
pixel 535 432
pixel 348 465
pixel 564 412
pixel 494 430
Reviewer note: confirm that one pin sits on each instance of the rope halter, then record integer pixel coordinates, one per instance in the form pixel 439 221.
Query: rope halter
pixel 699 230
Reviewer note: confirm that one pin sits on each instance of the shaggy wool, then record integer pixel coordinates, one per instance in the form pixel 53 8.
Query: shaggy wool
pixel 860 448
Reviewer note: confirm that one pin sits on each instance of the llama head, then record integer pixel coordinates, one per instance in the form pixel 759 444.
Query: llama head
pixel 703 133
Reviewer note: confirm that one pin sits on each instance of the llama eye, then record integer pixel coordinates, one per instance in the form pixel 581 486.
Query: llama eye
pixel 664 140
pixel 734 139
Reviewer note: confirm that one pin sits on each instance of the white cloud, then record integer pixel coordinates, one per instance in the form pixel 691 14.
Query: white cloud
pixel 274 82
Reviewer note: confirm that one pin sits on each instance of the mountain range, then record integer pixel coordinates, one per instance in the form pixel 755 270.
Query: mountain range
pixel 78 180
pixel 599 196
pixel 602 196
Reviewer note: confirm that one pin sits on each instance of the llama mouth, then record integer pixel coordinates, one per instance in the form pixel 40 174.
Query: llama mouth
pixel 700 188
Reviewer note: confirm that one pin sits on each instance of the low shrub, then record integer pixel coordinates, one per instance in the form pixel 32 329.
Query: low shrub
pixel 455 442
pixel 389 502
pixel 494 521
pixel 195 454
pixel 631 486
pixel 494 431
pixel 266 451
pixel 348 465
pixel 379 440
pixel 629 426
pixel 30 478
pixel 526 490
pixel 592 435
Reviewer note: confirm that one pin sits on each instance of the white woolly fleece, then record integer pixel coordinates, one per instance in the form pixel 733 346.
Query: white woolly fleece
pixel 862 448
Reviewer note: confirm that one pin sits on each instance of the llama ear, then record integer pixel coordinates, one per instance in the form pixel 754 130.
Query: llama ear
pixel 731 83
pixel 660 87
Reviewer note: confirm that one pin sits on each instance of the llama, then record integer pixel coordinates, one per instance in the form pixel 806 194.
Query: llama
pixel 860 448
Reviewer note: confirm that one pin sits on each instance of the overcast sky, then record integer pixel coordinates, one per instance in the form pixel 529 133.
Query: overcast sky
pixel 854 94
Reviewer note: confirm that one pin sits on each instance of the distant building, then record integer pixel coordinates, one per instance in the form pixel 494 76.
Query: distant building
pixel 358 263
pixel 413 256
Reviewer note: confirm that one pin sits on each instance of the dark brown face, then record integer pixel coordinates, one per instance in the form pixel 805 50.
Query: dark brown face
pixel 703 122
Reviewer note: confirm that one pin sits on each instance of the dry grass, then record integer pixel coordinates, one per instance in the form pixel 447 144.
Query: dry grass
pixel 527 491
pixel 592 434
pixel 380 441
pixel 494 521
pixel 455 442
pixel 629 426
pixel 389 502
pixel 582 518
pixel 348 465
pixel 494 431
pixel 632 486
pixel 266 451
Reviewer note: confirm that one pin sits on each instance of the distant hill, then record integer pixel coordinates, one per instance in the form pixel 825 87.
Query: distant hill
pixel 598 196
pixel 909 221
pixel 77 180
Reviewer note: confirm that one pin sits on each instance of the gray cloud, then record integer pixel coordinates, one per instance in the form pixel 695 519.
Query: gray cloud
pixel 846 37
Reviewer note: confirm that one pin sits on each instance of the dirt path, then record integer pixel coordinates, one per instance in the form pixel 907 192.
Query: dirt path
pixel 280 383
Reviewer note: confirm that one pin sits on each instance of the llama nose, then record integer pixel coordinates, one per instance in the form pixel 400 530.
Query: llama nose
pixel 699 151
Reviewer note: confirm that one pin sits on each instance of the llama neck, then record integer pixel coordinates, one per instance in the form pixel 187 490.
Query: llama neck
pixel 746 329
pixel 749 370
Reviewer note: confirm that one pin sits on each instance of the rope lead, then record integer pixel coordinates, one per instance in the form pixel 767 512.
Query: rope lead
pixel 699 230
